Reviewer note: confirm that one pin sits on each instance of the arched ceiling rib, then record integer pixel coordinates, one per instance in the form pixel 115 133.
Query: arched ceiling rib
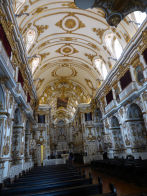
pixel 67 41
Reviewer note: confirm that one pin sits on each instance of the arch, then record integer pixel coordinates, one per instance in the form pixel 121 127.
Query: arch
pixel 117 136
pixel 35 62
pixel 113 45
pixel 115 122
pixel 17 117
pixel 18 4
pixel 2 98
pixel 101 67
pixel 134 112
pixel 30 38
pixel 136 126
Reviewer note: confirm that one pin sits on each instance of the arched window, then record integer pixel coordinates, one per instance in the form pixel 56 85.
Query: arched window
pixel 35 63
pixel 140 16
pixel 30 38
pixel 113 45
pixel 137 17
pixel 101 67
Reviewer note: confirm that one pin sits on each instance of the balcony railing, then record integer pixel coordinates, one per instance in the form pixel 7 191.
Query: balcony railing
pixel 41 125
pixel 110 106
pixel 128 90
pixel 6 59
pixel 88 123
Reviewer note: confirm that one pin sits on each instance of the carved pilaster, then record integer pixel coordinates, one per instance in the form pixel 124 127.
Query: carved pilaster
pixel 17 144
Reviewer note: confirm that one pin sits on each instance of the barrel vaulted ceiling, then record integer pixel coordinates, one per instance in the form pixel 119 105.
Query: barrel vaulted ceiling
pixel 64 43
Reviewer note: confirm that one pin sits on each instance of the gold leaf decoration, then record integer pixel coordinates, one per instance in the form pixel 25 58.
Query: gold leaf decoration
pixel 27 27
pixel 70 5
pixel 41 28
pixel 93 46
pixel 43 44
pixel 39 10
pixel 99 32
pixel 89 56
pixel 70 23
pixel 43 55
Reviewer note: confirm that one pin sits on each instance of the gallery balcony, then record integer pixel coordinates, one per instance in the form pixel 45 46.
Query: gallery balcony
pixel 41 125
pixel 89 123
pixel 6 65
pixel 21 92
pixel 110 106
pixel 128 90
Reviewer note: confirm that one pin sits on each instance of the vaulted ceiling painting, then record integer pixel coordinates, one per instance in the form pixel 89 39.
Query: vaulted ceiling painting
pixel 63 43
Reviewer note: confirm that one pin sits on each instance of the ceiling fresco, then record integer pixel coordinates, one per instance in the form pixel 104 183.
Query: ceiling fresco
pixel 62 43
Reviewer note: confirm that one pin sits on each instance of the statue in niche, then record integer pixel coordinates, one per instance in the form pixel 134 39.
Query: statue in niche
pixel 61 136
pixel 139 74
pixel 127 141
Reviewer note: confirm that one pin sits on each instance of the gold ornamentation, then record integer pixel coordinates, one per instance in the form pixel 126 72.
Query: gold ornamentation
pixel 9 30
pixel 90 85
pixel 70 23
pixel 44 55
pixel 127 37
pixel 71 72
pixel 39 10
pixel 41 28
pixel 39 84
pixel 27 27
pixel 144 37
pixel 43 44
pixel 90 56
pixel 66 50
pixel 25 8
pixel 93 46
pixel 70 5
pixel 68 39
pixel 99 32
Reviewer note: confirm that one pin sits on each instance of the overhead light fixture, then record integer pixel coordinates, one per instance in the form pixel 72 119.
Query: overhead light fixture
pixel 112 58
pixel 137 23
pixel 84 4
pixel 21 14
pixel 34 56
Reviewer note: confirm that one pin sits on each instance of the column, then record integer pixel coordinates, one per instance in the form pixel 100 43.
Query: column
pixel 17 154
pixel 27 145
pixel 3 119
pixel 132 73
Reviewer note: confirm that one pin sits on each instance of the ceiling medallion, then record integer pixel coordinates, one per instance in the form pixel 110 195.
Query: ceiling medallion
pixel 66 50
pixel 64 70
pixel 70 23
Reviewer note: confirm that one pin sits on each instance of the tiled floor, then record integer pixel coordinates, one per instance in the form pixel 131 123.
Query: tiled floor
pixel 123 188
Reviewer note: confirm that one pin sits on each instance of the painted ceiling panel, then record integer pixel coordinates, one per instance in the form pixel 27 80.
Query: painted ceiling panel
pixel 67 40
